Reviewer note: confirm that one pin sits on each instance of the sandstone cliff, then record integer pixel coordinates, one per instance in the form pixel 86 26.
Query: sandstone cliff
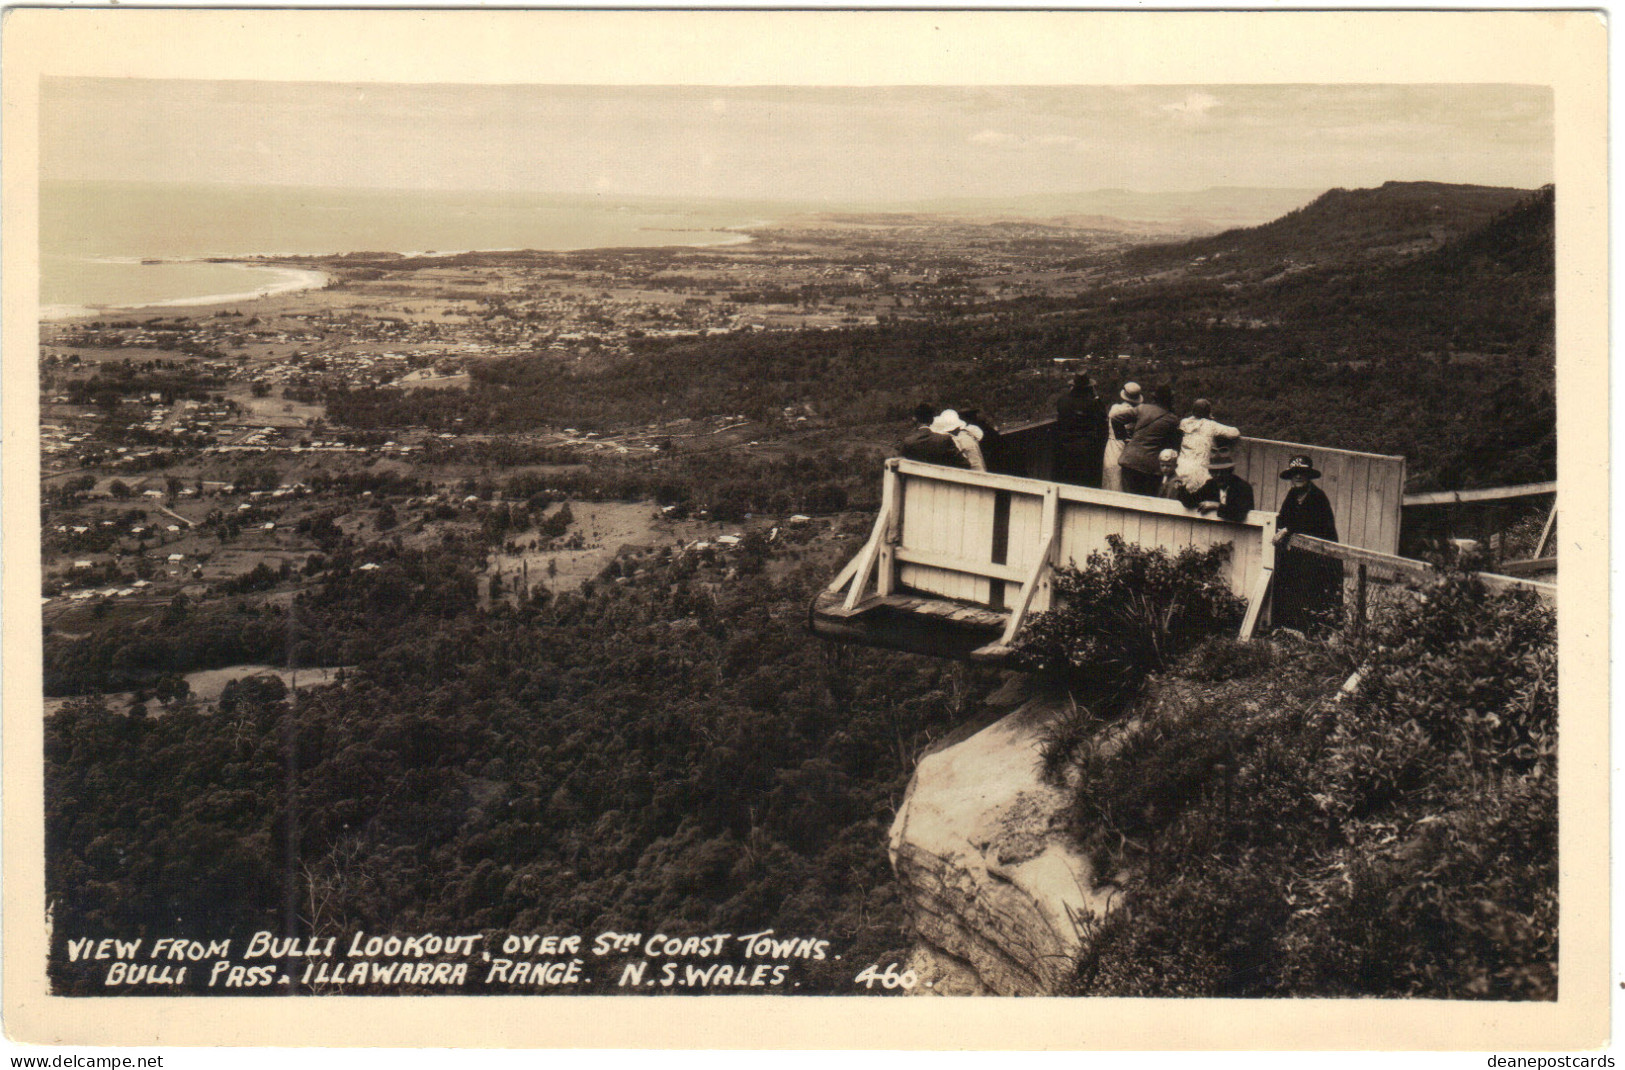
pixel 997 891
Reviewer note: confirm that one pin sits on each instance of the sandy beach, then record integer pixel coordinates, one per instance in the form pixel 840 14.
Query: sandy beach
pixel 282 280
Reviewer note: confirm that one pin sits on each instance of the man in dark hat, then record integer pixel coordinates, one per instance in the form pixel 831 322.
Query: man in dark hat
pixel 1225 494
pixel 1308 586
pixel 1080 434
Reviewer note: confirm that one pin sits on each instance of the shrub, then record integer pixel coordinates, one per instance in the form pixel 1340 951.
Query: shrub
pixel 1222 657
pixel 1129 612
pixel 1401 841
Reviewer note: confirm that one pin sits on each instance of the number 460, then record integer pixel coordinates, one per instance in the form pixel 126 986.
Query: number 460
pixel 888 979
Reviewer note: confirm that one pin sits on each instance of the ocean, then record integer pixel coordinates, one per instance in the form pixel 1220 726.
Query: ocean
pixel 121 245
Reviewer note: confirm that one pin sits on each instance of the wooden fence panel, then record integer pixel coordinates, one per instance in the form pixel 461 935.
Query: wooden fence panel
pixel 1366 489
pixel 1089 516
pixel 953 516
pixel 956 521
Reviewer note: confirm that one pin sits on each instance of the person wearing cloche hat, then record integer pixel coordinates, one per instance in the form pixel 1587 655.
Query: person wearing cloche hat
pixel 1120 420
pixel 1309 587
pixel 1225 495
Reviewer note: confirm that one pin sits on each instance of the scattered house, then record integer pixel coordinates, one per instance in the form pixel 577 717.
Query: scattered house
pixel 175 559
pixel 152 494
pixel 800 518
pixel 174 527
pixel 368 567
pixel 269 525
pixel 728 540
pixel 82 564
pixel 140 583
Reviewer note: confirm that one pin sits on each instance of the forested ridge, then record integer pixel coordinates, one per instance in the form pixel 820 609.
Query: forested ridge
pixel 671 754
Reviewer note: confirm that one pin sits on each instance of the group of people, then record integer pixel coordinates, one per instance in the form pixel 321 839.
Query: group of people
pixel 1139 446
pixel 949 438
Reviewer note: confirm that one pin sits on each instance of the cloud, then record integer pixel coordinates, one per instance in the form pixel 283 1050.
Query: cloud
pixel 1193 108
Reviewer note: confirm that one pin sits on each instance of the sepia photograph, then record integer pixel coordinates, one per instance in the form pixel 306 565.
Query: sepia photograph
pixel 634 536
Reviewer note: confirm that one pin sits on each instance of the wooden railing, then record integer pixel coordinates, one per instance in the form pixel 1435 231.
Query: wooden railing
pixel 992 540
pixel 1364 570
pixel 1366 489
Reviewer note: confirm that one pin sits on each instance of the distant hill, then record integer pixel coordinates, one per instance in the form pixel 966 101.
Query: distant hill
pixel 1189 212
pixel 1341 227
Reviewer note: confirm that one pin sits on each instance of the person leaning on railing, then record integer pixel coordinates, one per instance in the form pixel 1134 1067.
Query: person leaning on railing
pixel 1120 421
pixel 1200 432
pixel 1225 494
pixel 936 444
pixel 1156 430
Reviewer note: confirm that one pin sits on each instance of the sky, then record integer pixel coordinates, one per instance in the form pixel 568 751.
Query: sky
pixel 787 143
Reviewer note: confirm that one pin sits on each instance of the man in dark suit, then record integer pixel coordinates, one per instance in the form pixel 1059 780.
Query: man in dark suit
pixel 1225 495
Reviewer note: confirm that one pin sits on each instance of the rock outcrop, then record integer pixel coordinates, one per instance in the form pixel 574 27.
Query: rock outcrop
pixel 998 893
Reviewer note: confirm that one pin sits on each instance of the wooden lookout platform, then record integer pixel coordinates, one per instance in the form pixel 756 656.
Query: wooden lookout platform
pixel 958 561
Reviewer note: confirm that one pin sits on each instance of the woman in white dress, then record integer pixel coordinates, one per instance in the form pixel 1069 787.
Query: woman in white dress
pixel 1120 420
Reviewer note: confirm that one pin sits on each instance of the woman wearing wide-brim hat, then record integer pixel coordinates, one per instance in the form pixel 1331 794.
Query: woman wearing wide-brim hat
pixel 1309 587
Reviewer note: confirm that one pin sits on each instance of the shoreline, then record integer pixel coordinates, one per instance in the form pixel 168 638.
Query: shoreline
pixel 286 280
pixel 295 280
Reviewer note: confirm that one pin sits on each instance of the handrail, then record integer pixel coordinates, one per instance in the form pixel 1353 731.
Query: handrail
pixel 1419 571
pixel 1486 494
pixel 1070 492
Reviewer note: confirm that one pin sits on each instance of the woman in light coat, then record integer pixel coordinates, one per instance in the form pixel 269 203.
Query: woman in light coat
pixel 1120 420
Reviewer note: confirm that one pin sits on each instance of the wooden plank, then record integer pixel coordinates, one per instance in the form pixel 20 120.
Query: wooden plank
pixel 1531 567
pixel 1504 584
pixel 1345 552
pixel 1357 492
pixel 891 492
pixel 866 564
pixel 960 566
pixel 1051 522
pixel 1289 448
pixel 1029 590
pixel 1255 604
pixel 871 550
pixel 1546 532
pixel 964 476
pixel 1488 494
pixel 845 575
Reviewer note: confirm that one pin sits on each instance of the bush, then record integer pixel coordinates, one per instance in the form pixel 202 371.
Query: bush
pixel 1222 657
pixel 1129 613
pixel 1402 841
